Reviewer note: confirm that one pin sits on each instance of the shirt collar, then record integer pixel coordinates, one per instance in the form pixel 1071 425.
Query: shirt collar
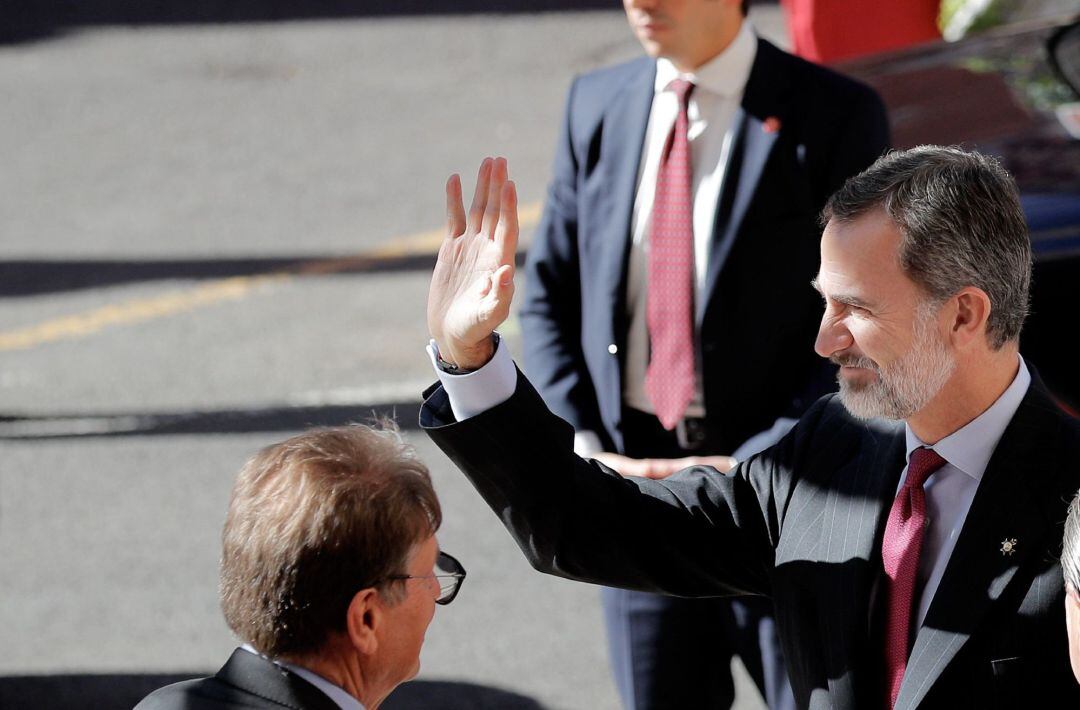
pixel 725 74
pixel 970 447
pixel 336 693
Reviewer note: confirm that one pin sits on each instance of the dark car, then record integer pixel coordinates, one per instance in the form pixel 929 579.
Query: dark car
pixel 1012 93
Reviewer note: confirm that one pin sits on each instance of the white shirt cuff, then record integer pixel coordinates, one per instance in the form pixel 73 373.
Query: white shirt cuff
pixel 587 444
pixel 480 390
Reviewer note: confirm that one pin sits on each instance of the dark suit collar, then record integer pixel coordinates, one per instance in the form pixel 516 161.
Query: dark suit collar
pixel 260 677
pixel 1018 499
pixel 755 129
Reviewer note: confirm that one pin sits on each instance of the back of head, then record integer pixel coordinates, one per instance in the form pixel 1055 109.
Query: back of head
pixel 313 520
pixel 1070 549
pixel 960 222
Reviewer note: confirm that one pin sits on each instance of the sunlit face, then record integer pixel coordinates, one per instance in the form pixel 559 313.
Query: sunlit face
pixel 684 31
pixel 1072 624
pixel 408 620
pixel 878 326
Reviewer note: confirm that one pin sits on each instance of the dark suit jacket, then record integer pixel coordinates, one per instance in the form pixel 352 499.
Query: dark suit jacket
pixel 764 247
pixel 802 523
pixel 245 681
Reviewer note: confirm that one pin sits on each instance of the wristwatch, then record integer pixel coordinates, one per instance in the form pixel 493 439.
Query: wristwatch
pixel 452 369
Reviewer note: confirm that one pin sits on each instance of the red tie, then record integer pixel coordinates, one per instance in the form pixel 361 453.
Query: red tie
pixel 900 554
pixel 669 380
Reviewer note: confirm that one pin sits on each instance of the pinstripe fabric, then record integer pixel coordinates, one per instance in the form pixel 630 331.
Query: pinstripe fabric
pixel 803 523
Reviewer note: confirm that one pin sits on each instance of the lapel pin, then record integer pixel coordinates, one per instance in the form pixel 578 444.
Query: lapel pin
pixel 1008 546
pixel 771 125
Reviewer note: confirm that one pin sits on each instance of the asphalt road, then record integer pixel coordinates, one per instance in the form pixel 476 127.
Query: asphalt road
pixel 211 237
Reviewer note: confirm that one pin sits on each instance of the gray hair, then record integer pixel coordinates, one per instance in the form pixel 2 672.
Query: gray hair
pixel 1070 547
pixel 960 222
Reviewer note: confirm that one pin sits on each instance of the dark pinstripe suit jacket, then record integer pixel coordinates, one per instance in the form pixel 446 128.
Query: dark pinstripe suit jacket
pixel 802 523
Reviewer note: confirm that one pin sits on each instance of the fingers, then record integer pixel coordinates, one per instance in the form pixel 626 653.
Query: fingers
pixel 455 209
pixel 506 232
pixel 494 196
pixel 479 201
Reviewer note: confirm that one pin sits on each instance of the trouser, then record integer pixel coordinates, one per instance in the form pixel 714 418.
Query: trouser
pixel 669 653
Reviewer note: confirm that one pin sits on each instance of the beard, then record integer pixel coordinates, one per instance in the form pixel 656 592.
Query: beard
pixel 905 386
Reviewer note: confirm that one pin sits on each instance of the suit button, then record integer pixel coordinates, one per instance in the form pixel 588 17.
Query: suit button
pixel 710 347
pixel 613 348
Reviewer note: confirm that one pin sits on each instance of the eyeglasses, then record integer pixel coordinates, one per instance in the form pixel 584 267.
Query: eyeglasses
pixel 448 571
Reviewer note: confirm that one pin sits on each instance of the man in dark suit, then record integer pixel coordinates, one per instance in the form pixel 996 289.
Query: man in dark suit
pixel 769 137
pixel 908 528
pixel 330 573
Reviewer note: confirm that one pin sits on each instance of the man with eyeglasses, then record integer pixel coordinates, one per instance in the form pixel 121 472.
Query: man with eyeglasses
pixel 330 573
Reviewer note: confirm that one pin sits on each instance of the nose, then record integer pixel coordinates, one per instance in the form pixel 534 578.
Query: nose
pixel 832 336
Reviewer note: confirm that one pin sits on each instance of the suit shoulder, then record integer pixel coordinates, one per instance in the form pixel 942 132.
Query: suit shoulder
pixel 810 78
pixel 199 694
pixel 615 74
pixel 828 430
pixel 597 86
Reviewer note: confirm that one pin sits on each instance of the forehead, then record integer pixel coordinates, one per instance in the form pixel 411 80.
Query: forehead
pixel 861 256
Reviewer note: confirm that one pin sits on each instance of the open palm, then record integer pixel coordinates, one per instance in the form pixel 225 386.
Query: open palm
pixel 473 282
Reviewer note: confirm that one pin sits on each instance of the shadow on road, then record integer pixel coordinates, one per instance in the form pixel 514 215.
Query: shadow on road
pixel 122 691
pixel 239 421
pixel 35 277
pixel 34 20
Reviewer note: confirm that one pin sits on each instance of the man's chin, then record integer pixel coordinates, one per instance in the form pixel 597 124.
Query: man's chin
pixel 860 402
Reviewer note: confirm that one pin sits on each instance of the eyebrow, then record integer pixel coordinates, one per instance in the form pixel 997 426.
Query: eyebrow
pixel 846 299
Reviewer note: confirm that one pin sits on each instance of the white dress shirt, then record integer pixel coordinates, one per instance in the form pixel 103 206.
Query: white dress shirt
pixel 950 489
pixel 336 693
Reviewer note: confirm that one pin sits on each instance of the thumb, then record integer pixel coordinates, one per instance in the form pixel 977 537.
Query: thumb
pixel 504 276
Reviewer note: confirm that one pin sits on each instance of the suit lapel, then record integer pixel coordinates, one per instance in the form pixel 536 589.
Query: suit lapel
pixel 1009 504
pixel 262 678
pixel 625 121
pixel 764 97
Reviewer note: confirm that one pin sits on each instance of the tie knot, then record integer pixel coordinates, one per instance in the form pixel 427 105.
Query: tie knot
pixel 682 89
pixel 923 462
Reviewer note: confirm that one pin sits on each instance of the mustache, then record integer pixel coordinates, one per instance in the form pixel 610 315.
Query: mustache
pixel 853 361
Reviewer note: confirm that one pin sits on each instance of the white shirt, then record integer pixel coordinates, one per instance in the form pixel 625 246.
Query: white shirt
pixel 718 91
pixel 951 489
pixel 336 693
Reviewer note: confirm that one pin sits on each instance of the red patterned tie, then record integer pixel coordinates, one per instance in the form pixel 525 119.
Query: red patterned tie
pixel 900 553
pixel 669 380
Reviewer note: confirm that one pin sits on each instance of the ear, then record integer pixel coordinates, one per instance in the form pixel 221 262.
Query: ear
pixel 363 619
pixel 969 313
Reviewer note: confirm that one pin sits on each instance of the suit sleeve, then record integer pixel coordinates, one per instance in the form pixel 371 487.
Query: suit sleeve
pixel 551 307
pixel 697 533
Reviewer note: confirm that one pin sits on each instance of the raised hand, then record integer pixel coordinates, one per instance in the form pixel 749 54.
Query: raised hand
pixel 473 282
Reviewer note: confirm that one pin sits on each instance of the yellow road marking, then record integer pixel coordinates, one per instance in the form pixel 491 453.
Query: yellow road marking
pixel 219 290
